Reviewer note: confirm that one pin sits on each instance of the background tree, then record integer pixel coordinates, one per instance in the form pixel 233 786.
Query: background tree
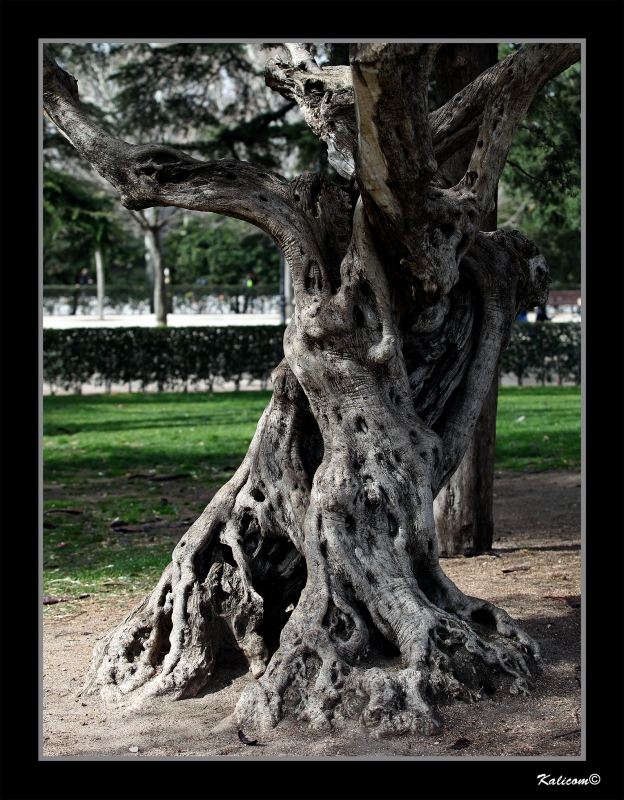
pixel 153 222
pixel 403 308
pixel 464 508
pixel 80 229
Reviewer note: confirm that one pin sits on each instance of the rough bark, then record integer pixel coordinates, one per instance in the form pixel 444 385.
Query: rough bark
pixel 402 309
pixel 463 510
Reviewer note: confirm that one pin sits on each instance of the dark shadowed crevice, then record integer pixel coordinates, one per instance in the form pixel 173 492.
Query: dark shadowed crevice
pixel 341 625
pixel 163 644
pixel 204 558
pixel 380 651
pixel 278 575
pixel 469 670
pixel 311 447
pixel 484 619
pixel 430 586
pixel 137 645
pixel 257 494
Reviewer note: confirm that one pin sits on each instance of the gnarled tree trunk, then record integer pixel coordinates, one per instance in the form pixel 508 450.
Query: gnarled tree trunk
pixel 402 309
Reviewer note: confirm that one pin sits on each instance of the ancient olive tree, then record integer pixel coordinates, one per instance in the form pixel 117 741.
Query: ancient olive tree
pixel 402 309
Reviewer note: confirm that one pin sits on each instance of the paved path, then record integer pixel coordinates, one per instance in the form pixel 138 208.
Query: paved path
pixel 183 320
pixel 149 320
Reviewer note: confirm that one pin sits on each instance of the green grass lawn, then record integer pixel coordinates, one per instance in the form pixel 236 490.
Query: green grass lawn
pixel 94 444
pixel 111 435
pixel 538 427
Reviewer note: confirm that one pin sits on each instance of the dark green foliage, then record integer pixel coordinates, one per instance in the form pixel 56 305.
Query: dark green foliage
pixel 545 350
pixel 220 250
pixel 176 357
pixel 170 357
pixel 159 84
pixel 211 100
pixel 543 176
pixel 77 220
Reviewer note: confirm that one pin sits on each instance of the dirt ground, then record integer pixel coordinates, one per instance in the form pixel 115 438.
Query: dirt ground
pixel 537 525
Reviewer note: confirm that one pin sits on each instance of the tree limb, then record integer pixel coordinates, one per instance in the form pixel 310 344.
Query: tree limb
pixel 328 104
pixel 156 175
pixel 457 121
pixel 429 230
pixel 517 83
pixel 301 57
pixel 325 97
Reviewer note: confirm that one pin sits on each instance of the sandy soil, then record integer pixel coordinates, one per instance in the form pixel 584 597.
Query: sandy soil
pixel 537 523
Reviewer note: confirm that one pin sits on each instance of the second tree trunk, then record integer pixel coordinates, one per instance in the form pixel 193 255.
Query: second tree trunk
pixel 463 509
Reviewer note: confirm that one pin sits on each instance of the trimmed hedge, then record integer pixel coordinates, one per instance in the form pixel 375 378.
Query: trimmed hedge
pixel 547 351
pixel 177 357
pixel 169 357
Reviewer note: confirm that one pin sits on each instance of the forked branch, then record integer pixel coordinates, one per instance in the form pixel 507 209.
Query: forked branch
pixel 325 97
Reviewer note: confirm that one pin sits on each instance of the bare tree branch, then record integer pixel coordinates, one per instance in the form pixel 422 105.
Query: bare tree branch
pixel 430 230
pixel 509 99
pixel 457 121
pixel 301 57
pixel 139 218
pixel 325 97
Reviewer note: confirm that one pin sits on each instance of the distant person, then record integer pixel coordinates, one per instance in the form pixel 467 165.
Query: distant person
pixel 85 280
pixel 522 317
pixel 541 315
pixel 248 282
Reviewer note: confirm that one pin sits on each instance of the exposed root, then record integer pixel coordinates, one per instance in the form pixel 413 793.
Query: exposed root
pixel 485 616
pixel 334 663
pixel 313 683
